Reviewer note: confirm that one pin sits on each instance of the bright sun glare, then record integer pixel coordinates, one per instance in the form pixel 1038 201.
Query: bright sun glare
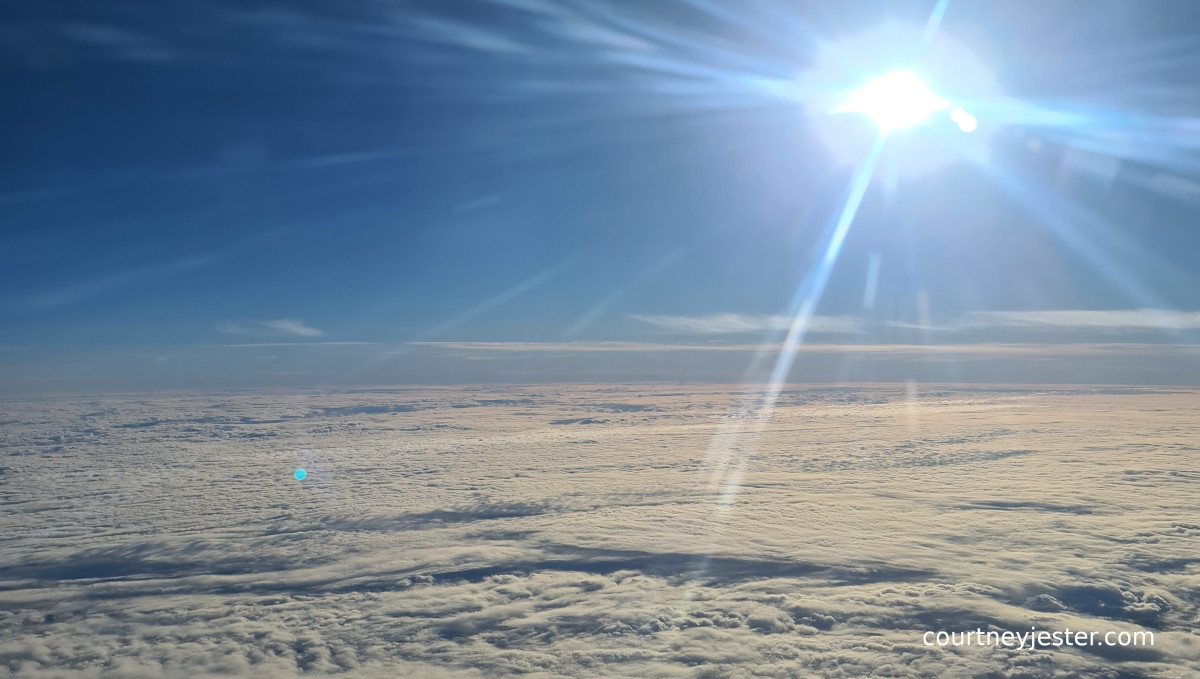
pixel 898 100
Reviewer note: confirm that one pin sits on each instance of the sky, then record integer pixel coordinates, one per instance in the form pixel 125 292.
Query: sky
pixel 213 194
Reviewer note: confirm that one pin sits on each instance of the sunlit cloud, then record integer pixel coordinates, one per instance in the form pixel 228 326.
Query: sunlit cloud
pixel 719 324
pixel 857 527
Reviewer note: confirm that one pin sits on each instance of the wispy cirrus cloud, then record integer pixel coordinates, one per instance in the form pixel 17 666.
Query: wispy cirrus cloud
pixel 88 289
pixel 462 34
pixel 721 324
pixel 120 43
pixel 283 326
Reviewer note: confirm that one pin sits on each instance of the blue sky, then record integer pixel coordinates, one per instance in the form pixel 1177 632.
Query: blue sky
pixel 204 194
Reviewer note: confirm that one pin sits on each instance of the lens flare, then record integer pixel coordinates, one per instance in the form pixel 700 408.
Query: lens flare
pixel 965 121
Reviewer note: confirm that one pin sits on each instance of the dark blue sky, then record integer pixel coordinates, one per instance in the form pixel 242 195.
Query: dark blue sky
pixel 179 176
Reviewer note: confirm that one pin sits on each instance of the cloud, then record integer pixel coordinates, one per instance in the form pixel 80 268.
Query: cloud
pixel 981 348
pixel 282 326
pixel 464 35
pixel 293 327
pixel 923 327
pixel 572 347
pixel 309 345
pixel 1116 319
pixel 1066 319
pixel 501 298
pixel 646 535
pixel 79 292
pixel 312 362
pixel 478 203
pixel 1175 185
pixel 718 324
pixel 121 43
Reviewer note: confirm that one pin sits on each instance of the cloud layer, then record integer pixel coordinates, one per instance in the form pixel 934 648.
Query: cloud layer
pixel 596 530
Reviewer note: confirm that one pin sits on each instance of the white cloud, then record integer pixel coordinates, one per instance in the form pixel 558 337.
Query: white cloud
pixel 718 324
pixel 648 531
pixel 282 326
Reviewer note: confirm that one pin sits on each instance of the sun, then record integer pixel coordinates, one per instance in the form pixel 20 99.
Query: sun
pixel 895 101
pixel 892 83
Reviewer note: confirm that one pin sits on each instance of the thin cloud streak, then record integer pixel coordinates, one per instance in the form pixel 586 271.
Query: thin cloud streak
pixel 601 307
pixel 1145 319
pixel 259 345
pixel 990 349
pixel 109 283
pixel 1066 319
pixel 503 297
pixel 719 324
pixel 282 326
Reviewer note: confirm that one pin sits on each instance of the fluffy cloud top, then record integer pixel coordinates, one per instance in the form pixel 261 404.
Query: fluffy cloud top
pixel 596 530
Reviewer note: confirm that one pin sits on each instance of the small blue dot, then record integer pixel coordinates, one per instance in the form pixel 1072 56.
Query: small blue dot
pixel 300 474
